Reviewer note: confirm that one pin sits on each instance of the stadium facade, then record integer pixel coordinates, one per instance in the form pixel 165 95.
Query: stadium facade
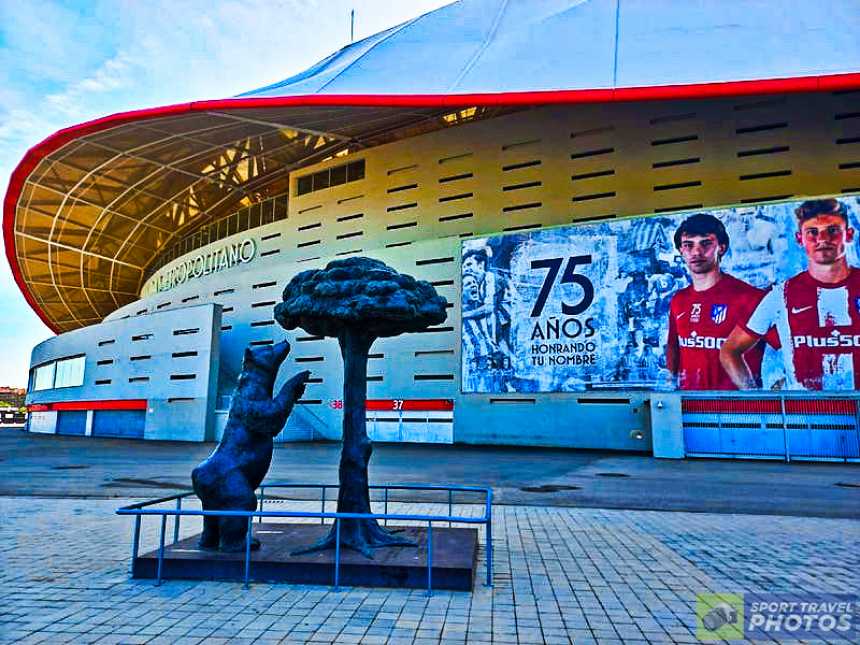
pixel 156 243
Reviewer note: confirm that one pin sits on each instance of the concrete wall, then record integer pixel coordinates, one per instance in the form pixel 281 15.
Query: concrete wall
pixel 169 358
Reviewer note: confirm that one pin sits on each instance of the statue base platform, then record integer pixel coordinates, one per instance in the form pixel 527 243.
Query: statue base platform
pixel 454 560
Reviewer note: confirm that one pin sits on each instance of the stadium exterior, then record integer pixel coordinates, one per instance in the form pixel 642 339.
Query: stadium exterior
pixel 156 243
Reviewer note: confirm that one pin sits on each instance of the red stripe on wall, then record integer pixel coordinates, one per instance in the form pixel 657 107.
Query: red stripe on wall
pixel 410 405
pixel 769 406
pixel 732 406
pixel 821 406
pixel 116 404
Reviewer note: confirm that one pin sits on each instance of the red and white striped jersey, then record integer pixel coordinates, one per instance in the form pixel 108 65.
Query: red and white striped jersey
pixel 819 329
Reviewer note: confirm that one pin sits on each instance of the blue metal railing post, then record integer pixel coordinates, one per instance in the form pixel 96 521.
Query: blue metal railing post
pixel 385 512
pixel 450 506
pixel 430 558
pixel 135 544
pixel 785 432
pixel 322 506
pixel 489 528
pixel 337 555
pixel 176 520
pixel 262 499
pixel 161 550
pixel 248 551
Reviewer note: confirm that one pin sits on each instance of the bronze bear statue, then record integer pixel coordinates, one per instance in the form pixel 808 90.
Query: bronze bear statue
pixel 229 477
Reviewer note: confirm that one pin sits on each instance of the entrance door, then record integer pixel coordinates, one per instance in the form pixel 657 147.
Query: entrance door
pixel 128 424
pixel 72 422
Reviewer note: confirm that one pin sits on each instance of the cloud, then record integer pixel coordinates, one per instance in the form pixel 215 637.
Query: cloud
pixel 65 63
pixel 113 75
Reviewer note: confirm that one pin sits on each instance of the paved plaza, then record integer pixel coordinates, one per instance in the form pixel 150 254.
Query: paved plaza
pixel 562 575
pixel 63 466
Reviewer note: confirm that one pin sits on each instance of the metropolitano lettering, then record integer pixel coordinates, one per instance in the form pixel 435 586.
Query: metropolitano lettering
pixel 224 257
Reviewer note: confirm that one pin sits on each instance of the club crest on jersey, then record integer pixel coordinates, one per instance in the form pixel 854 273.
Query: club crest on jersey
pixel 696 312
pixel 718 313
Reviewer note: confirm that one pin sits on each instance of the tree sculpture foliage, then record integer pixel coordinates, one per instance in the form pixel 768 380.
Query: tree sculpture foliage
pixel 358 300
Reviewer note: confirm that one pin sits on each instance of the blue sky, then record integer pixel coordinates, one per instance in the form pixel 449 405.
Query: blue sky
pixel 62 63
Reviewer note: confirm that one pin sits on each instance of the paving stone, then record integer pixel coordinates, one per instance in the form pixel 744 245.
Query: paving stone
pixel 561 575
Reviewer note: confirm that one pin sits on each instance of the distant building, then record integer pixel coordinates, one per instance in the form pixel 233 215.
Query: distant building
pixel 14 396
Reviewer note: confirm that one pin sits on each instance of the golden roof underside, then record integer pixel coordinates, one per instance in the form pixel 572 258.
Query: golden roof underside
pixel 95 212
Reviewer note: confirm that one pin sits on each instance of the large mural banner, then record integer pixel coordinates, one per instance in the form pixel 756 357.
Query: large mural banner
pixel 757 297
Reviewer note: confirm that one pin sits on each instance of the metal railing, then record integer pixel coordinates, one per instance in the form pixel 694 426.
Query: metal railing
pixel 141 509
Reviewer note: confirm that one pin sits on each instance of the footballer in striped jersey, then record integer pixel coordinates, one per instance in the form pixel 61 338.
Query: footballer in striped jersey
pixel 816 313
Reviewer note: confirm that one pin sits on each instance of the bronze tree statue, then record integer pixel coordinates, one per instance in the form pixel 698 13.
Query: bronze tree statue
pixel 358 300
pixel 229 477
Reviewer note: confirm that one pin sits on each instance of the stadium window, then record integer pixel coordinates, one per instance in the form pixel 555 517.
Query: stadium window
pixel 244 219
pixel 281 208
pixel 334 176
pixel 321 180
pixel 355 170
pixel 43 377
pixel 338 175
pixel 304 184
pixel 255 218
pixel 70 372
pixel 66 372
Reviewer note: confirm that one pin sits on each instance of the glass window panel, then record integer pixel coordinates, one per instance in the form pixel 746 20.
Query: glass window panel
pixel 244 217
pixel 355 170
pixel 338 176
pixel 321 180
pixel 304 184
pixel 257 213
pixel 231 225
pixel 70 372
pixel 279 208
pixel 44 377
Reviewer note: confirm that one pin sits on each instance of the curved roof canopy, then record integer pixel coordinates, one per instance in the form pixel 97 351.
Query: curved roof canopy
pixel 89 208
